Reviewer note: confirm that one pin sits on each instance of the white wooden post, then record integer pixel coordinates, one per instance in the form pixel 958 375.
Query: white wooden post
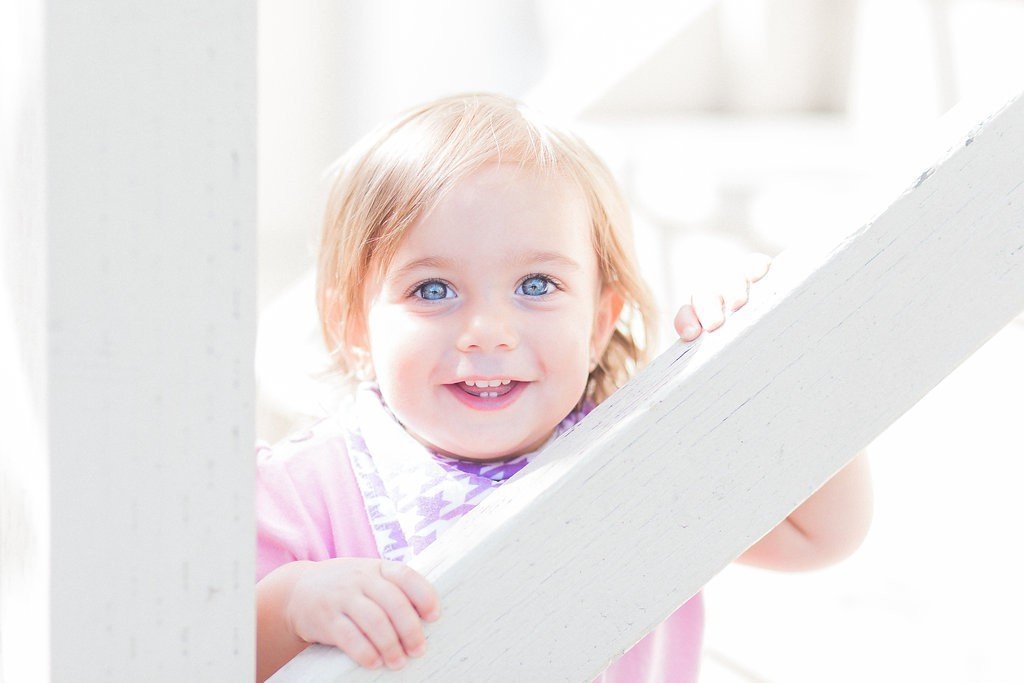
pixel 127 315
pixel 629 514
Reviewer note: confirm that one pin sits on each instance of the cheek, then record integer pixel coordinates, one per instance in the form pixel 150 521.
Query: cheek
pixel 565 340
pixel 402 369
pixel 399 344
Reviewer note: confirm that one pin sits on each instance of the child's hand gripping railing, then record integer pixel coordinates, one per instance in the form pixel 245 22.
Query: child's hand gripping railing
pixel 560 571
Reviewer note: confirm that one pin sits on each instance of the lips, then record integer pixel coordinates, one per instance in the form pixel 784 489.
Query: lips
pixel 507 394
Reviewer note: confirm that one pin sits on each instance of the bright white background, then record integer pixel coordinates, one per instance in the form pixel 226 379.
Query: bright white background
pixel 733 125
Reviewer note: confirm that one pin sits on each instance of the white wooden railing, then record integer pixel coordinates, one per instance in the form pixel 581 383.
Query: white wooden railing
pixel 715 443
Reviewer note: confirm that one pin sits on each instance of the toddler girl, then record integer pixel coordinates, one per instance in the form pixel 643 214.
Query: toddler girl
pixel 477 284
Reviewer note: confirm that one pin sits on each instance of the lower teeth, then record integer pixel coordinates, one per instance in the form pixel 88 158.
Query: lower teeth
pixel 486 394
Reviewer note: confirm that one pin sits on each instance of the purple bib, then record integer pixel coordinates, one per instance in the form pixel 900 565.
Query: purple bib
pixel 413 494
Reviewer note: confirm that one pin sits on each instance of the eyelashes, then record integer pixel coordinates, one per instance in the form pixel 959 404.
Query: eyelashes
pixel 436 289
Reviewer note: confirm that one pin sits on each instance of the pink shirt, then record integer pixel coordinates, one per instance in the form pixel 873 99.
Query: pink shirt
pixel 309 507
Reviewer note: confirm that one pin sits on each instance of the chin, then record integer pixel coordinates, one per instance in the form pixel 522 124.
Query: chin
pixel 476 454
pixel 467 454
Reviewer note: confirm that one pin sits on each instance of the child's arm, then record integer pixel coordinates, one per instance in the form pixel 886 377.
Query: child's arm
pixel 369 608
pixel 275 642
pixel 834 521
pixel 825 529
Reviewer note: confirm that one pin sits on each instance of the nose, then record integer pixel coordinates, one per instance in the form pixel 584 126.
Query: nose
pixel 488 327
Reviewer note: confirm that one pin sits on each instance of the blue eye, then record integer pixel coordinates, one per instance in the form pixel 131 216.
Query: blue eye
pixel 536 285
pixel 433 290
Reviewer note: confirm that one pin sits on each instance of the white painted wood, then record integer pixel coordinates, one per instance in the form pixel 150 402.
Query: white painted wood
pixel 630 513
pixel 130 239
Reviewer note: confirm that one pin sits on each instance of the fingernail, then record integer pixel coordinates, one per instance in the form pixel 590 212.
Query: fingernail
pixel 375 664
pixel 396 663
pixel 418 650
pixel 690 331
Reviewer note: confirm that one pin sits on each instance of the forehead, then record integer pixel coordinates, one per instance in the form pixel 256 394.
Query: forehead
pixel 502 211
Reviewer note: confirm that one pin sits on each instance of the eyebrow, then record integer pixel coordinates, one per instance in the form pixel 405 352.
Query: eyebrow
pixel 522 259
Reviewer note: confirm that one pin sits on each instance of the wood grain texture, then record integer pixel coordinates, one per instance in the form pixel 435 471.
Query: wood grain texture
pixel 631 512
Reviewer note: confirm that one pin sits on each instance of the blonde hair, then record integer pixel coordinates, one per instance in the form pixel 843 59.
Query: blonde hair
pixel 401 170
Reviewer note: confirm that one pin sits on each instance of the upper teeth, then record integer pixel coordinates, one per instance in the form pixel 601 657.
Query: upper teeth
pixel 487 382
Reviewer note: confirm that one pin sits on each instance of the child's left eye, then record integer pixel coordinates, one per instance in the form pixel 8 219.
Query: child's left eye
pixel 536 285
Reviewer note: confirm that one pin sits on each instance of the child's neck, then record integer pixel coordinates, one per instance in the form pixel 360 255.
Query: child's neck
pixel 472 459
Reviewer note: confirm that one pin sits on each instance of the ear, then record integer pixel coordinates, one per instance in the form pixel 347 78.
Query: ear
pixel 607 314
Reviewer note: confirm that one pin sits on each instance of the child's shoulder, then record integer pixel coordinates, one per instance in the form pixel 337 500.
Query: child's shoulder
pixel 326 437
pixel 308 467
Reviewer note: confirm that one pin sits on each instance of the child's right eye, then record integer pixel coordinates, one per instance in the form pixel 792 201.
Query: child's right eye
pixel 433 290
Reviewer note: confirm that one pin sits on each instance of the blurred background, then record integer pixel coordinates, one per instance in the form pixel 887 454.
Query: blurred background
pixel 733 126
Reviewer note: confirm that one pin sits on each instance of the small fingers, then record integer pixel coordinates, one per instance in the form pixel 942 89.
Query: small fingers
pixel 710 309
pixel 755 266
pixel 686 323
pixel 403 617
pixel 707 309
pixel 349 639
pixel 374 622
pixel 420 592
pixel 736 293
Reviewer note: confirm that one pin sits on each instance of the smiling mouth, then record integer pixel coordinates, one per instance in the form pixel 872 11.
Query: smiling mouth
pixel 487 398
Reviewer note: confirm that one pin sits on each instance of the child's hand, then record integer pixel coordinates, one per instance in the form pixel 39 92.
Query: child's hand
pixel 706 310
pixel 368 608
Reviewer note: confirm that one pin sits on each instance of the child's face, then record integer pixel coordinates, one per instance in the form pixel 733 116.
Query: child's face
pixel 499 282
